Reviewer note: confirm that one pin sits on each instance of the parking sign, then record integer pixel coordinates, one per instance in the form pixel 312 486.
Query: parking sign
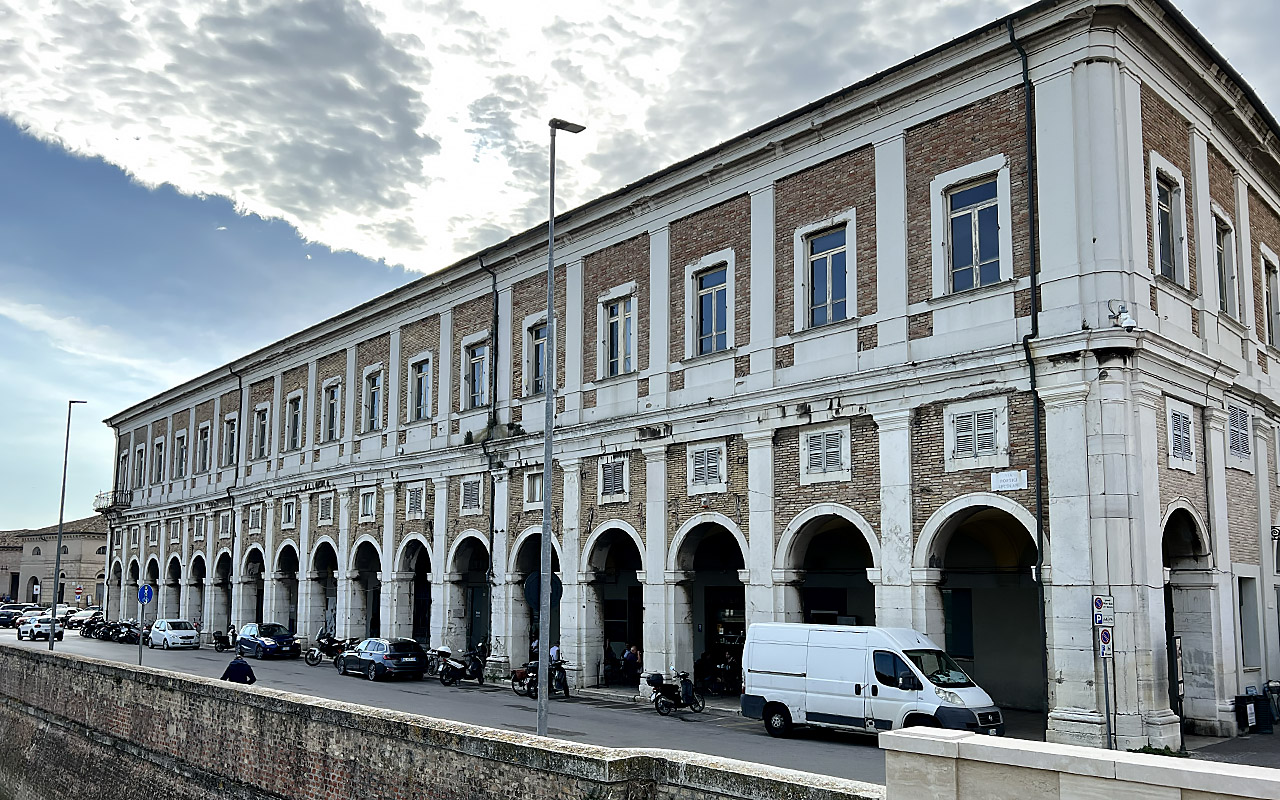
pixel 1104 610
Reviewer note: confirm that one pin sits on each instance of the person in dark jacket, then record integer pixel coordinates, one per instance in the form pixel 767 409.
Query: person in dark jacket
pixel 239 671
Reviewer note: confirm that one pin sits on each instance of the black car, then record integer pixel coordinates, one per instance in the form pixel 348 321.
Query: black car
pixel 267 639
pixel 9 613
pixel 379 658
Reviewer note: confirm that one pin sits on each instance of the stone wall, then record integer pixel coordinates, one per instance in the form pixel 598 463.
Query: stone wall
pixel 117 731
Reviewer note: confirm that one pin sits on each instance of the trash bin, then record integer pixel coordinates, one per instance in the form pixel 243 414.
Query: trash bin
pixel 1262 709
pixel 1244 704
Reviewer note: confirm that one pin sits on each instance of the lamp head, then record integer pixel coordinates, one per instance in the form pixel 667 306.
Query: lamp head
pixel 561 125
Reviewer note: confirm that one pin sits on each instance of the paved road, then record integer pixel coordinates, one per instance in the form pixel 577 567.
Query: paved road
pixel 592 720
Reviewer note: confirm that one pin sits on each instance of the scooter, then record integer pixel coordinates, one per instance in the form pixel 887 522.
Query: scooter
pixel 668 697
pixel 452 670
pixel 524 681
pixel 221 642
pixel 326 646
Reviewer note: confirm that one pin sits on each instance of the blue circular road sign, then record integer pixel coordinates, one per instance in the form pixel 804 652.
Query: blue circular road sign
pixel 145 594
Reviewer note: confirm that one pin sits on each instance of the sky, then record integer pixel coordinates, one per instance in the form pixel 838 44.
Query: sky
pixel 184 181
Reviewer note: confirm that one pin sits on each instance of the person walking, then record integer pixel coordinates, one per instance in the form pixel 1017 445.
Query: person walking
pixel 239 671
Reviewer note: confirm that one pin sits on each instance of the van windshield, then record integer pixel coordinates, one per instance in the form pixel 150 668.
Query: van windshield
pixel 939 668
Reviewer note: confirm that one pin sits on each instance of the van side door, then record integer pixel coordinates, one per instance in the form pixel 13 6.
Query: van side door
pixel 888 704
pixel 836 679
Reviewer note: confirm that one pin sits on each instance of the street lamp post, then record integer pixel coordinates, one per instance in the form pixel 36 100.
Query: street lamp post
pixel 62 505
pixel 544 583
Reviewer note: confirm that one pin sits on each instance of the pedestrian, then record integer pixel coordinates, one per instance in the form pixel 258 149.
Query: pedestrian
pixel 239 671
pixel 631 665
pixel 555 652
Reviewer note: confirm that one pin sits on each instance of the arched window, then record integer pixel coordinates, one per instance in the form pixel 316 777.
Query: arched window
pixel 102 551
pixel 65 550
pixel 35 551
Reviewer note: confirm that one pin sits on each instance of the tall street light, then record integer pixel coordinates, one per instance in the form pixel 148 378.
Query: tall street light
pixel 62 505
pixel 544 583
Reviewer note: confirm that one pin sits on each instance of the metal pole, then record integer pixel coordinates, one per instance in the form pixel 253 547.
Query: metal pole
pixel 62 505
pixel 549 380
pixel 140 626
pixel 1106 701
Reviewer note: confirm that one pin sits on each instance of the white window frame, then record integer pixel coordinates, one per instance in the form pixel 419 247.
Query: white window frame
pixel 529 476
pixel 135 533
pixel 1221 222
pixel 940 189
pixel 691 271
pixel 412 389
pixel 175 531
pixel 204 447
pixel 230 454
pixel 255 517
pixel 198 526
pixel 527 354
pixel 261 432
pixel 464 362
pixel 1236 458
pixel 122 471
pixel 1171 407
pixel 845 473
pixel 625 495
pixel 421 513
pixel 954 463
pixel 321 519
pixel 288 513
pixel 181 453
pixel 371 515
pixel 292 443
pixel 1270 267
pixel 331 418
pixel 714 487
pixel 617 294
pixel 139 466
pixel 225 524
pixel 153 533
pixel 802 277
pixel 157 460
pixel 463 509
pixel 370 417
pixel 1161 166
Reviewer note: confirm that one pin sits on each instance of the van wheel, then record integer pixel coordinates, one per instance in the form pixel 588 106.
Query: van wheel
pixel 777 720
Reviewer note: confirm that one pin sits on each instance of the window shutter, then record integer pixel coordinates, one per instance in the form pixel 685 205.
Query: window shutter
pixel 415 501
pixel 471 494
pixel 985 432
pixel 816 460
pixel 700 466
pixel 1239 421
pixel 965 442
pixel 326 508
pixel 611 477
pixel 833 459
pixel 1180 444
pixel 713 464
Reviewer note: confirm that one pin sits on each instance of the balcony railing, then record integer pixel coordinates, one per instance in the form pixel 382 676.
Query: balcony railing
pixel 113 501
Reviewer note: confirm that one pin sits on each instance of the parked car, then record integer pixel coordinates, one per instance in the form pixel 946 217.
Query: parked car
pixel 168 633
pixel 9 613
pixel 79 618
pixel 37 627
pixel 381 658
pixel 36 611
pixel 267 639
pixel 858 678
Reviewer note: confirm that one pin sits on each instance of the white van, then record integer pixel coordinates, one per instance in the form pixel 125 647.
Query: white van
pixel 857 678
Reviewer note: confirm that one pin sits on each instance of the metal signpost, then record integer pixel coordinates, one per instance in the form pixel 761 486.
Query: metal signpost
pixel 1104 618
pixel 145 595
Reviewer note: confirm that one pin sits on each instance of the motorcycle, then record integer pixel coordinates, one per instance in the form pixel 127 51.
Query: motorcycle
pixel 126 633
pixel 326 646
pixel 668 697
pixel 92 625
pixel 469 666
pixel 221 642
pixel 524 680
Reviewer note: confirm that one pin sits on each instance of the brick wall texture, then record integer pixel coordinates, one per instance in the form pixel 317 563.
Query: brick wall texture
pixel 727 225
pixel 529 298
pixel 1176 483
pixel 603 270
pixel 862 494
pixel 632 512
pixel 1167 132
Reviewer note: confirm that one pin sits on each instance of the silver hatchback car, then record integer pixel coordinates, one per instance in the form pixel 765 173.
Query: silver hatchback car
pixel 169 633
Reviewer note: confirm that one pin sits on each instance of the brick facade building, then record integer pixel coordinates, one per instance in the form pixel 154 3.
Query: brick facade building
pixel 838 369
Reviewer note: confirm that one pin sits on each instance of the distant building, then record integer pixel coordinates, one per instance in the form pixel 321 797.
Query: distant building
pixel 839 369
pixel 27 561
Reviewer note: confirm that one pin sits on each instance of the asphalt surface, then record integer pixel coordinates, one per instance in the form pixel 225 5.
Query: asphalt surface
pixel 591 720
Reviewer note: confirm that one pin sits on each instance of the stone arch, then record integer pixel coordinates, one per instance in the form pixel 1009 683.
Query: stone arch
pixel 355 546
pixel 930 543
pixel 787 542
pixel 604 527
pixel 469 533
pixel 1200 542
pixel 250 550
pixel 514 553
pixel 315 548
pixel 674 554
pixel 402 551
pixel 279 550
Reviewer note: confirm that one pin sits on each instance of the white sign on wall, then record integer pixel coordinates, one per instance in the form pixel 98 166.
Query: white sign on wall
pixel 1105 644
pixel 1009 481
pixel 1104 610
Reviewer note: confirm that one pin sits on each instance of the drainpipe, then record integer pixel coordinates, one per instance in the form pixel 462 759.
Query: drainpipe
pixel 235 532
pixel 484 445
pixel 1037 421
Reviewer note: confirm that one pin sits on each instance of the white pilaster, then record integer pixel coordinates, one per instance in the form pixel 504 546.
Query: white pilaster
pixel 893 595
pixel 891 245
pixel 655 641
pixel 659 314
pixel 763 297
pixel 760 526
pixel 569 337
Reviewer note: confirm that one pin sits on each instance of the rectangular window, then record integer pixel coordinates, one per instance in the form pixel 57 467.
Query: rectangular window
pixel 1166 208
pixel 293 423
pixel 153 533
pixel 368 501
pixel 224 525
pixel 974 240
pixel 975 434
pixel 122 472
pixel 373 401
pixel 413 505
pixel 825 452
pixel 229 445
pixel 471 494
pixel 203 449
pixel 713 310
pixel 174 531
pixel 287 513
pixel 706 466
pixel 331 413
pixel 421 390
pixel 1180 435
pixel 133 536
pixel 1223 259
pixel 1238 421
pixel 538 358
pixel 620 329
pixel 261 427
pixel 325 509
pixel 1250 641
pixel 1270 276
pixel 827 277
pixel 180 456
pixel 533 487
pixel 613 477
pixel 139 466
pixel 477 376
pixel 157 462
pixel 255 518
pixel 198 533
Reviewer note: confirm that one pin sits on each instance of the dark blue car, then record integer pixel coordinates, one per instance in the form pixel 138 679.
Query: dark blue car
pixel 267 639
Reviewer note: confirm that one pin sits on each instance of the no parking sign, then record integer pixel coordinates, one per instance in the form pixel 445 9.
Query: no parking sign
pixel 1104 643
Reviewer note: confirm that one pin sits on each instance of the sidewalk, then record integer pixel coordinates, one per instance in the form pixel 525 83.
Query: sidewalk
pixel 625 694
